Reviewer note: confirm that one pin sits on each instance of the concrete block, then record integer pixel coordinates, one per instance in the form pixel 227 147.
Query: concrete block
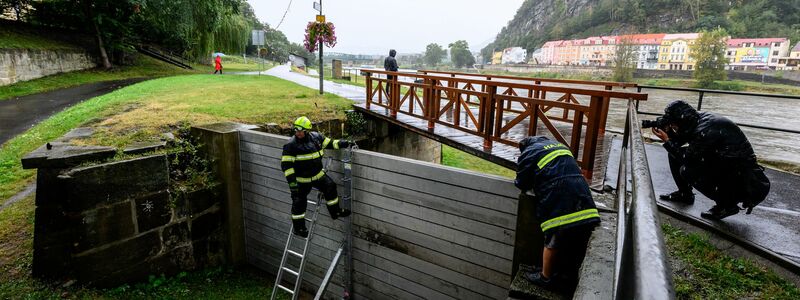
pixel 205 225
pixel 104 225
pixel 153 211
pixel 176 235
pixel 201 200
pixel 597 272
pixel 144 147
pixel 114 182
pixel 94 265
pixel 64 156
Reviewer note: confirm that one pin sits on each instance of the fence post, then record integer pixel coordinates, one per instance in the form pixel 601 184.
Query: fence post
pixel 369 88
pixel 489 111
pixel 700 101
pixel 592 135
pixel 428 98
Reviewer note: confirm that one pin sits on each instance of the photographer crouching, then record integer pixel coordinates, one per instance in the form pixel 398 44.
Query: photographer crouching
pixel 711 154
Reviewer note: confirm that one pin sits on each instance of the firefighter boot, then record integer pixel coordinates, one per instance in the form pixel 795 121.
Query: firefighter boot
pixel 299 228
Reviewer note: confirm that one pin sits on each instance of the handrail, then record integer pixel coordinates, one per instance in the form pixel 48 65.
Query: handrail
pixel 568 81
pixel 490 109
pixel 548 88
pixel 701 94
pixel 641 270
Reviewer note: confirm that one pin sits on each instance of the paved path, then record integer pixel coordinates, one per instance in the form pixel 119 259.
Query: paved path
pixel 20 114
pixel 773 224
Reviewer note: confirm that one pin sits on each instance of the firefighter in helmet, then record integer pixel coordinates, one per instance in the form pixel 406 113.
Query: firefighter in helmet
pixel 301 163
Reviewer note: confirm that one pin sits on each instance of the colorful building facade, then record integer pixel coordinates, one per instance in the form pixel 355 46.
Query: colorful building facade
pixel 646 47
pixel 791 61
pixel 675 51
pixel 754 54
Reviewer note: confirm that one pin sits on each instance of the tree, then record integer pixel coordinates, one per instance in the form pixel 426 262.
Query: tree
pixel 709 55
pixel 460 54
pixel 625 61
pixel 433 54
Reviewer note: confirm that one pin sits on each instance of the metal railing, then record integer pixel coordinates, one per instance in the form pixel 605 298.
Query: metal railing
pixel 641 269
pixel 701 94
pixel 490 109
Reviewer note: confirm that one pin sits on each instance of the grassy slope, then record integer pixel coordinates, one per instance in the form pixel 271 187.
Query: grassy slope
pixel 145 110
pixel 140 112
pixel 456 158
pixel 710 274
pixel 14 37
pixel 144 67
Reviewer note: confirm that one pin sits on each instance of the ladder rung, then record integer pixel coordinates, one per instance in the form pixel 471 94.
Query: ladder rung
pixel 295 253
pixel 286 289
pixel 311 202
pixel 290 271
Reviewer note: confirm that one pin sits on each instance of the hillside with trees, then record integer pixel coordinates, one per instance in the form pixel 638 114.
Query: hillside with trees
pixel 541 20
pixel 193 29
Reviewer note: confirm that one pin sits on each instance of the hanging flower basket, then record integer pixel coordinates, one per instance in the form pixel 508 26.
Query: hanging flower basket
pixel 319 32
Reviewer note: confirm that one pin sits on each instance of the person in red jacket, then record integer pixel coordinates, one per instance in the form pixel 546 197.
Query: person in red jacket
pixel 218 65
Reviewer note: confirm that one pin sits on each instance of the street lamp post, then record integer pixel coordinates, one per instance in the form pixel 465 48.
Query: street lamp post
pixel 321 70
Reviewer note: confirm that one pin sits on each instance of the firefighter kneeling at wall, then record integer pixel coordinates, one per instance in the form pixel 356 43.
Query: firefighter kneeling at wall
pixel 301 163
pixel 564 205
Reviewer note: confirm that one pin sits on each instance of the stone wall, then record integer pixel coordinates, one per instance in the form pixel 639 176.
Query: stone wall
pixel 114 223
pixel 23 64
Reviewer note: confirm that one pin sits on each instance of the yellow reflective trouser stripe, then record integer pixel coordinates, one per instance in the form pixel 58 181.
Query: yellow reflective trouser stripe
pixel 311 156
pixel 308 180
pixel 298 217
pixel 334 201
pixel 325 143
pixel 288 172
pixel 570 218
pixel 552 155
pixel 336 144
pixel 288 158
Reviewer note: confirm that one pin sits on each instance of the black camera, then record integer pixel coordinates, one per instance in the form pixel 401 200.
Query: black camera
pixel 659 122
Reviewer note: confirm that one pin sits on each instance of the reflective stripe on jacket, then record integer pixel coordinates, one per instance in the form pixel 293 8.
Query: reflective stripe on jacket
pixel 563 196
pixel 301 160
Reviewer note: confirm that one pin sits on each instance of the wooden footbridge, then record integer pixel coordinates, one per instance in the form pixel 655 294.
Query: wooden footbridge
pixel 487 115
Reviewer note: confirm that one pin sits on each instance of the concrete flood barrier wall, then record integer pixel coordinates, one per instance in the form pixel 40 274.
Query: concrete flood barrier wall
pixel 420 230
pixel 23 64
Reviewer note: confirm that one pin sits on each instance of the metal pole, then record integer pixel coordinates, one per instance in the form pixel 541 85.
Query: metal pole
pixel 321 70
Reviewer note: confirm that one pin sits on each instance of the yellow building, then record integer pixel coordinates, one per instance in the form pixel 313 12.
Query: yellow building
pixel 497 58
pixel 675 52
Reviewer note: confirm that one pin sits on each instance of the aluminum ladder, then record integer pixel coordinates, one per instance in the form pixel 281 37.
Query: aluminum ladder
pixel 288 252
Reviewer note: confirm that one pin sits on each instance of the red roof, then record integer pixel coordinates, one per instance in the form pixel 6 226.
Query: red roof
pixel 765 42
pixel 644 39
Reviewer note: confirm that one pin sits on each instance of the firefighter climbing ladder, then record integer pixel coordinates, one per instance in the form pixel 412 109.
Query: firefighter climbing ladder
pixel 305 242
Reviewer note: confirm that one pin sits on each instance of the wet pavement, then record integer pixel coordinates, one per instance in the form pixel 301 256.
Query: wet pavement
pixel 20 114
pixel 772 225
pixel 355 93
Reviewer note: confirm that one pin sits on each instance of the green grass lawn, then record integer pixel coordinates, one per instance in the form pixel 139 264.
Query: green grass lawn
pixel 708 273
pixel 15 36
pixel 144 67
pixel 456 158
pixel 141 112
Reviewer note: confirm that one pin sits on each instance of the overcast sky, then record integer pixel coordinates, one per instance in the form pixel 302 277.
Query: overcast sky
pixel 374 26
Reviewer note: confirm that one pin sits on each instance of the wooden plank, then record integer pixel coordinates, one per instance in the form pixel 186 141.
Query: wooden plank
pixel 383 288
pixel 263 138
pixel 468 261
pixel 449 282
pixel 393 274
pixel 465 210
pixel 451 193
pixel 464 238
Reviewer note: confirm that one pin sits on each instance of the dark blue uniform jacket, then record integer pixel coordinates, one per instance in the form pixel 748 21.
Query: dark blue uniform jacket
pixel 563 196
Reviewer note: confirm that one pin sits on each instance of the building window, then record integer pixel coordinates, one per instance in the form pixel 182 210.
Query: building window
pixel 689 67
pixel 775 53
